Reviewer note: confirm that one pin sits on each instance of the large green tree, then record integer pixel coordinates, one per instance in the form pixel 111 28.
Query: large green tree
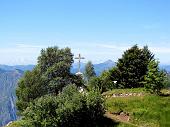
pixel 132 67
pixel 52 56
pixel 50 76
pixel 30 86
pixel 89 71
pixel 155 79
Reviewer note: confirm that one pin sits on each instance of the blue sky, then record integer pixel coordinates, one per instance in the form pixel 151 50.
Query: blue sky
pixel 98 29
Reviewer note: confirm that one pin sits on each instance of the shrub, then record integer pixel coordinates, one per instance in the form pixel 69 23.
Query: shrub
pixel 70 108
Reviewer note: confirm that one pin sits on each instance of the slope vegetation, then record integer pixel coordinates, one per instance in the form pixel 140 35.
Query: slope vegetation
pixel 144 110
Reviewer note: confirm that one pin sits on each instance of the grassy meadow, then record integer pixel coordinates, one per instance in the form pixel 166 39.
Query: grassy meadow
pixel 146 111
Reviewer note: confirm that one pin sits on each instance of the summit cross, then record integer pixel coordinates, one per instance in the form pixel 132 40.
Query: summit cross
pixel 79 58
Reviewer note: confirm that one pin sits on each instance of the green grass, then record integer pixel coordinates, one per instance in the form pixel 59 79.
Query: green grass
pixel 149 110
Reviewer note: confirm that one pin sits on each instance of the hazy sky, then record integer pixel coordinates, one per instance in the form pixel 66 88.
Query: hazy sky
pixel 98 29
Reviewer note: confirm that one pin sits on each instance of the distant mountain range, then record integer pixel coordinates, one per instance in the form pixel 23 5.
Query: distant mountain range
pixel 99 68
pixel 165 67
pixel 9 76
pixel 8 81
pixel 19 67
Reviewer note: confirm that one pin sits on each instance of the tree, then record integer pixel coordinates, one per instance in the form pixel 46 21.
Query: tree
pixel 96 84
pixel 55 65
pixel 132 67
pixel 89 71
pixel 102 83
pixel 30 86
pixel 168 81
pixel 155 78
pixel 107 82
pixel 69 109
pixel 50 76
pixel 52 55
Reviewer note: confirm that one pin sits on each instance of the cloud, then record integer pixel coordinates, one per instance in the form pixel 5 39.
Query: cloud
pixel 96 52
pixel 116 47
pixel 154 49
pixel 116 50
pixel 20 54
pixel 161 50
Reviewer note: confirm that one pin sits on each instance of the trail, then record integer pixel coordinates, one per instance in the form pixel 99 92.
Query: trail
pixel 119 119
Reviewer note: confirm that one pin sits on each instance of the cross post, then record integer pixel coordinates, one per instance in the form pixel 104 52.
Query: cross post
pixel 79 58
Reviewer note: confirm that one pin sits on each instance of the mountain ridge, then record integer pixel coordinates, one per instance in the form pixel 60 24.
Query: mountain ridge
pixel 99 67
pixel 8 84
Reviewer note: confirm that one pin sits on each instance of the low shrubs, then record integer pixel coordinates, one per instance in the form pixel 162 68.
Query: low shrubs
pixel 70 108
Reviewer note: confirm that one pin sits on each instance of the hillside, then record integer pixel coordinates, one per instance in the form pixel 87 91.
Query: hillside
pixel 166 67
pixel 8 81
pixel 138 108
pixel 19 67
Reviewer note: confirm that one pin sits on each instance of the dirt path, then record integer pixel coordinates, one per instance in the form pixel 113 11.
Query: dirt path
pixel 120 118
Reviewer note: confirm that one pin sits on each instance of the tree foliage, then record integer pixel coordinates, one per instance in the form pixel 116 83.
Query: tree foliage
pixel 69 109
pixel 102 83
pixel 132 67
pixel 53 55
pixel 89 71
pixel 155 78
pixel 129 71
pixel 30 86
pixel 50 76
pixel 167 85
pixel 55 65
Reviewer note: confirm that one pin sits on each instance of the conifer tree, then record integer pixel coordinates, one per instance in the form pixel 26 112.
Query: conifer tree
pixel 155 78
pixel 132 67
pixel 89 71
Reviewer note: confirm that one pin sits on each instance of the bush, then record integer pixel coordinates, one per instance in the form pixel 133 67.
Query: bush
pixel 70 108
pixel 102 83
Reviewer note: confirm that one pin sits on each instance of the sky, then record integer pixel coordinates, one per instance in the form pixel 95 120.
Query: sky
pixel 98 29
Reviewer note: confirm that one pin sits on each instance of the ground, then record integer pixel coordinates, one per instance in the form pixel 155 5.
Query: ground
pixel 139 109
